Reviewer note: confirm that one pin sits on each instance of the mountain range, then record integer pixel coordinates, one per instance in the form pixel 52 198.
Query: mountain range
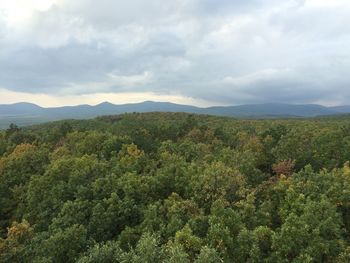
pixel 24 113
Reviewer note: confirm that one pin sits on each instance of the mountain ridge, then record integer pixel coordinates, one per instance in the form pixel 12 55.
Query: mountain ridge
pixel 25 113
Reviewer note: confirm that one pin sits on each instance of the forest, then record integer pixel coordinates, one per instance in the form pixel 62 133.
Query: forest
pixel 176 188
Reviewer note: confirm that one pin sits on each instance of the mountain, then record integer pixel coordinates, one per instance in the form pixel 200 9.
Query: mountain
pixel 27 113
pixel 342 109
pixel 21 108
pixel 272 109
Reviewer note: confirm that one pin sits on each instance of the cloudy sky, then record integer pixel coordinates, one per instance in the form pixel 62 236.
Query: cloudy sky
pixel 201 52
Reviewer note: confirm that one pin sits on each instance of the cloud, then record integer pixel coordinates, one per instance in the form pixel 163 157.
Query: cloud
pixel 228 52
pixel 47 100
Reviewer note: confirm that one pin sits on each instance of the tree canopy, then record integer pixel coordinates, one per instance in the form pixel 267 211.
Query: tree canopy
pixel 175 187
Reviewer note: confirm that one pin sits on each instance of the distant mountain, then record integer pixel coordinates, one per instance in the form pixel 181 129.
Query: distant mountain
pixel 27 113
pixel 21 108
pixel 342 109
pixel 272 109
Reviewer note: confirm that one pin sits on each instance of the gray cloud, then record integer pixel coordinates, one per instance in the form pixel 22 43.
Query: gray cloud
pixel 227 51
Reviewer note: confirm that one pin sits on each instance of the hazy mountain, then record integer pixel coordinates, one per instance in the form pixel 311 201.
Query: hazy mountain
pixel 28 113
pixel 272 109
pixel 21 108
pixel 342 109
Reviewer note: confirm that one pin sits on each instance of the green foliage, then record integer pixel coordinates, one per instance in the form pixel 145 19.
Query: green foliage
pixel 208 255
pixel 174 187
pixel 174 253
pixel 64 245
pixel 110 252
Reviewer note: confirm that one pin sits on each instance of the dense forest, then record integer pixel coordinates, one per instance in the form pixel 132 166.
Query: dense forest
pixel 176 188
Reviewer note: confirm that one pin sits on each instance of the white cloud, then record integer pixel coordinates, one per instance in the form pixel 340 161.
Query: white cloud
pixel 256 77
pixel 19 12
pixel 326 3
pixel 111 82
pixel 227 51
pixel 46 100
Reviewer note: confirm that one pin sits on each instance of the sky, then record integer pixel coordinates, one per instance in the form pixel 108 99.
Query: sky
pixel 199 52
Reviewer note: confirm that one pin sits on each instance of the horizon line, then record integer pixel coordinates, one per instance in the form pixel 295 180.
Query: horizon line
pixel 170 102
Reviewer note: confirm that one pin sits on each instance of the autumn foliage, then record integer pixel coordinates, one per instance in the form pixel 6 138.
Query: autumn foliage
pixel 175 187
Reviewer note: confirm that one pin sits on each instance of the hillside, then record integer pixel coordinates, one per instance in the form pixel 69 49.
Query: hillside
pixel 175 187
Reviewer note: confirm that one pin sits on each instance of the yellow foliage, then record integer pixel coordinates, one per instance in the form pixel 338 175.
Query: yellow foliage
pixel 132 150
pixel 19 152
pixel 19 231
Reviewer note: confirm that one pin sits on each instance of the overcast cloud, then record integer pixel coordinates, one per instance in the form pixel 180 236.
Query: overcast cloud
pixel 203 52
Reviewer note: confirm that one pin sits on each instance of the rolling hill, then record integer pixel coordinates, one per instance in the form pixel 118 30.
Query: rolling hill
pixel 27 113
